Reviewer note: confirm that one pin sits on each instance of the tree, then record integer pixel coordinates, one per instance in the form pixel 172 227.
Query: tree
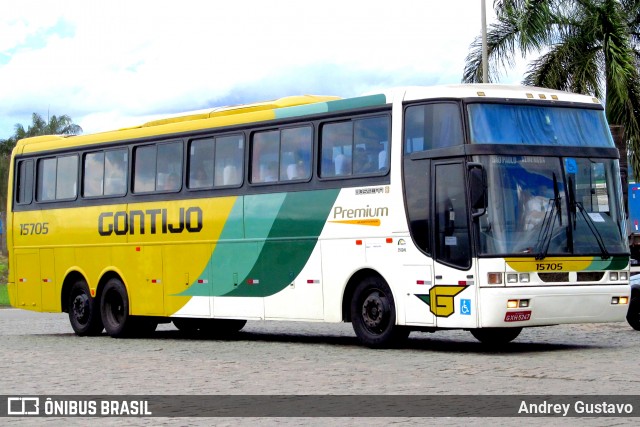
pixel 586 46
pixel 57 125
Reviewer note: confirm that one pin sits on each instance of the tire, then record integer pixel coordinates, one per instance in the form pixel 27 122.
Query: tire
pixel 114 308
pixel 209 327
pixel 633 314
pixel 84 311
pixel 496 336
pixel 373 315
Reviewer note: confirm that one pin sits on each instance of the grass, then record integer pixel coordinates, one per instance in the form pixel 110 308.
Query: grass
pixel 4 295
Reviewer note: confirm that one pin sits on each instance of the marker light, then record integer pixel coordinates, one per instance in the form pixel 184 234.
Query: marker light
pixel 512 303
pixel 494 278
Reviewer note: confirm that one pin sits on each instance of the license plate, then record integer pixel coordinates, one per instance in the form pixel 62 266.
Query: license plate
pixel 517 316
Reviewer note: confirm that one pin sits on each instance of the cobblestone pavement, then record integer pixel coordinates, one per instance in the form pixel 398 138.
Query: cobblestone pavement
pixel 41 355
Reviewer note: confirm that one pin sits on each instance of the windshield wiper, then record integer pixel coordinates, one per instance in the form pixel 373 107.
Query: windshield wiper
pixel 545 234
pixel 594 230
pixel 553 211
pixel 574 206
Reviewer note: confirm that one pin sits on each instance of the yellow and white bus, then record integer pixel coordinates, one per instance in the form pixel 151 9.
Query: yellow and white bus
pixel 480 207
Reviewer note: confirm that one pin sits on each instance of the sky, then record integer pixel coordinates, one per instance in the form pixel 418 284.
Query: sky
pixel 112 64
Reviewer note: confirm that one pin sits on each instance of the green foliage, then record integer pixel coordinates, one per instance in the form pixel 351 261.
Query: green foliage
pixel 4 294
pixel 588 46
pixel 57 125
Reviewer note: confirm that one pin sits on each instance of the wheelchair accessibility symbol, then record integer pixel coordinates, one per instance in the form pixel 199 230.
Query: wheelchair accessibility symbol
pixel 465 307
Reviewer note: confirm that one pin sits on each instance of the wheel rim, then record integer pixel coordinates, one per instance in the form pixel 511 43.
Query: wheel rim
pixel 375 312
pixel 81 309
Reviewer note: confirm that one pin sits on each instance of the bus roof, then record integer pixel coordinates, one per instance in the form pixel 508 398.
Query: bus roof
pixel 218 117
pixel 495 91
pixel 294 106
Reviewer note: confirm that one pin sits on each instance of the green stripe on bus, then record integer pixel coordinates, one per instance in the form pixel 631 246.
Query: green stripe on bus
pixel 331 106
pixel 282 231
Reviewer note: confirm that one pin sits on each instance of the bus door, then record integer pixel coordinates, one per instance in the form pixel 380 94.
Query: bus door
pixel 452 297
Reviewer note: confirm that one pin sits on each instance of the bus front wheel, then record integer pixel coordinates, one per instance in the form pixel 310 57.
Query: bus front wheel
pixel 114 307
pixel 496 336
pixel 84 311
pixel 373 315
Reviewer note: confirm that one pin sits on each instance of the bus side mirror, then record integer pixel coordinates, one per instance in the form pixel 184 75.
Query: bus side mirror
pixel 478 189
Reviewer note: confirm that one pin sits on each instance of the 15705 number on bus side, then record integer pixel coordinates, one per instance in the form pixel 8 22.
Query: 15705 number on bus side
pixel 36 228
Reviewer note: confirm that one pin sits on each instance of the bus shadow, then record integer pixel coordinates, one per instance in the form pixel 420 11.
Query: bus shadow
pixel 414 342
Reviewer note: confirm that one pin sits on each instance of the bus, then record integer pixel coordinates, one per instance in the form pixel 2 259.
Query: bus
pixel 486 208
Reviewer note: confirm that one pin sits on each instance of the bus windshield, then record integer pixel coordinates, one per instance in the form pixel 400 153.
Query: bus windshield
pixel 538 125
pixel 552 206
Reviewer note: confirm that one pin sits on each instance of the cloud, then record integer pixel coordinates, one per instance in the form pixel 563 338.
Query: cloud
pixel 107 63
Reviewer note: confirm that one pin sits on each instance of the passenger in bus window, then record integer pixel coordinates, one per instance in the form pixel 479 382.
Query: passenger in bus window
pixel 342 164
pixel 271 172
pixel 171 183
pixel 537 206
pixel 201 179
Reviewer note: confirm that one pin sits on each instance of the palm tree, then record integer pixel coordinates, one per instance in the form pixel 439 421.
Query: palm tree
pixel 56 125
pixel 586 46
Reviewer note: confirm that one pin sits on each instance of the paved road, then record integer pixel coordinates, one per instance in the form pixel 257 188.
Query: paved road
pixel 41 355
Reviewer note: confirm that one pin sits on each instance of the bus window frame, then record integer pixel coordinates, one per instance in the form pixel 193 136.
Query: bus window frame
pixel 30 181
pixel 84 154
pixel 352 119
pixel 214 137
pixel 55 199
pixel 156 145
pixel 280 130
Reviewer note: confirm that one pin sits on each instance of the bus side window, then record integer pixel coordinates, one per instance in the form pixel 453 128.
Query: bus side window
pixel 295 153
pixel 228 160
pixel 115 172
pixel 169 176
pixel 24 188
pixel 46 187
pixel 145 169
pixel 432 126
pixel 93 180
pixel 67 177
pixel 265 156
pixel 371 138
pixel 336 146
pixel 201 157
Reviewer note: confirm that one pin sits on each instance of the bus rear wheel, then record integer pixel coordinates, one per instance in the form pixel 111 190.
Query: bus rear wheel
pixel 373 315
pixel 114 307
pixel 84 311
pixel 633 315
pixel 496 336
